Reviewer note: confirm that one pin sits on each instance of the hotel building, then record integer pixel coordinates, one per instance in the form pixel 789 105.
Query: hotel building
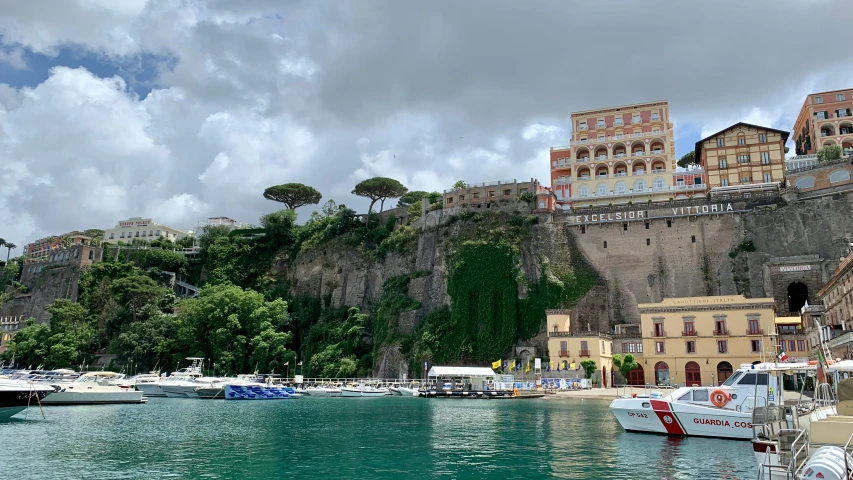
pixel 566 348
pixel 617 155
pixel 41 249
pixel 743 154
pixel 702 340
pixel 138 228
pixel 825 119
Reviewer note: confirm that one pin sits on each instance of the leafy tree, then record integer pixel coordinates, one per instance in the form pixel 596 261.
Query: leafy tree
pixel 410 198
pixel 589 368
pixel 624 364
pixel 379 189
pixel 293 195
pixel 459 185
pixel 9 248
pixel 137 290
pixel 688 160
pixel 27 347
pixel 829 153
pixel 185 242
pixel 279 224
pixel 151 342
pixel 343 342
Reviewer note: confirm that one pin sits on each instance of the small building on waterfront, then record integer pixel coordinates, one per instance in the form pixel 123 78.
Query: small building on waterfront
pixel 567 349
pixel 701 340
pixel 138 228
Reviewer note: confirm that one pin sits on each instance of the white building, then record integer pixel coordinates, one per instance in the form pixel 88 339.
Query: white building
pixel 138 228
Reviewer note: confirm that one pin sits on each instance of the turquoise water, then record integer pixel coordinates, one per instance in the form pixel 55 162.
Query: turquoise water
pixel 391 437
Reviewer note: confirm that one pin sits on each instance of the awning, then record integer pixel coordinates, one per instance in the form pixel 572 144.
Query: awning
pixel 788 320
pixel 461 372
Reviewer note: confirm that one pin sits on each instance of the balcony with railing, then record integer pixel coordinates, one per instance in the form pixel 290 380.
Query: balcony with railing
pixel 600 125
pixel 563 181
pixel 583 127
pixel 617 137
pixel 560 334
pixel 755 331
pixel 636 120
pixel 584 353
pixel 621 174
pixel 619 155
pixel 688 333
pixel 564 353
pixel 618 122
pixel 638 153
pixel 630 192
pixel 721 332
pixel 658 333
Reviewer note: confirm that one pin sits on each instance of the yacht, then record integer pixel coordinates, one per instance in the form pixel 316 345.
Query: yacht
pixel 17 395
pixel 721 412
pixel 815 444
pixel 362 390
pixel 90 389
pixel 184 376
pixel 134 381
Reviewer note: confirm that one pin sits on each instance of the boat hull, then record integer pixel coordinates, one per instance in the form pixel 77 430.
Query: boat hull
pixel 354 392
pixel 257 392
pixel 13 402
pixel 317 392
pixel 150 390
pixel 210 392
pixel 647 415
pixel 180 391
pixel 408 392
pixel 93 398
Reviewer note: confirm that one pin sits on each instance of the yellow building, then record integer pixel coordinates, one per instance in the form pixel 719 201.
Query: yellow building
pixel 743 154
pixel 618 155
pixel 566 348
pixel 702 340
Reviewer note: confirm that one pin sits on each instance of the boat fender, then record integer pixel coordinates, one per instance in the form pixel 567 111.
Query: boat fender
pixel 514 392
pixel 719 398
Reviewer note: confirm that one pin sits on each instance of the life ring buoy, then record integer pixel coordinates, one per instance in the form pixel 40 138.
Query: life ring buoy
pixel 720 397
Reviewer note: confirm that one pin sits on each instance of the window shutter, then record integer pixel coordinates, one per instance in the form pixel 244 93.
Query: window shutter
pixel 848 112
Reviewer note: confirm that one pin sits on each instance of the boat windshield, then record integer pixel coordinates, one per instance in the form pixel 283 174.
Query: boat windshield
pixel 731 380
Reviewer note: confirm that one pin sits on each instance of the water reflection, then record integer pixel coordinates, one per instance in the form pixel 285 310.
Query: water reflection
pixel 363 438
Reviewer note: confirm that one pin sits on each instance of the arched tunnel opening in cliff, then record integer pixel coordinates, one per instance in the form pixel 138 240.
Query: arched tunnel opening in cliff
pixel 798 295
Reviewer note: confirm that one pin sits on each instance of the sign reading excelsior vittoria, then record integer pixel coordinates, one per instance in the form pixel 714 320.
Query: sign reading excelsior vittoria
pixel 642 214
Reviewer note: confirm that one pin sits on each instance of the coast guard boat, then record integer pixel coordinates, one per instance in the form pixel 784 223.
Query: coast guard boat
pixel 721 412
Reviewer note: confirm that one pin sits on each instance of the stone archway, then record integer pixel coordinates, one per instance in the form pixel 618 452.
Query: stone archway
pixel 798 295
pixel 724 371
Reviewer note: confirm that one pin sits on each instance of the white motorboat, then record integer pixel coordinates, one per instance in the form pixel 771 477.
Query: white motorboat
pixel 165 386
pixel 134 381
pixel 362 390
pixel 408 391
pixel 814 444
pixel 17 395
pixel 317 391
pixel 722 412
pixel 190 387
pixel 91 389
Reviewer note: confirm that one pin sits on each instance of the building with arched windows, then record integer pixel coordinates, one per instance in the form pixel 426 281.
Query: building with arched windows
pixel 702 340
pixel 743 155
pixel 618 155
pixel 825 119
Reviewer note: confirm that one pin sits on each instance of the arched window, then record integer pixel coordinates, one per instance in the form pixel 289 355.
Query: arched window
pixel 602 189
pixel 639 186
pixel 661 373
pixel 805 182
pixel 724 371
pixel 839 176
pixel 659 183
pixel 622 188
pixel 584 191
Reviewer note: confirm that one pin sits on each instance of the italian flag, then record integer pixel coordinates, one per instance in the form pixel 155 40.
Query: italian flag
pixel 782 355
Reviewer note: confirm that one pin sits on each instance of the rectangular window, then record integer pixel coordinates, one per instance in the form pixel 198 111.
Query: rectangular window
pixel 605 244
pixel 801 345
pixel 491 194
pixel 792 346
pixel 691 346
pixel 507 192
pixel 720 327
pixel 583 229
pixel 584 348
pixel 655 116
pixel 724 182
pixel 668 223
pixel 158 233
pixel 659 348
pixel 762 137
pixel 765 158
pixel 647 225
pixel 755 345
pixel 839 97
pixel 841 112
pixel 692 238
pixel 745 179
pixel 722 346
pixel 658 329
pixel 767 178
pixel 625 348
pixel 449 199
pixel 721 142
pixel 821 115
pixel 648 241
pixel 753 326
pixel 689 327
pixel 639 348
pixel 636 119
pixel 599 124
pixel 476 194
pixel 122 235
pixel 743 158
pixel 818 100
pixel 111 235
pixel 723 162
pixel 624 227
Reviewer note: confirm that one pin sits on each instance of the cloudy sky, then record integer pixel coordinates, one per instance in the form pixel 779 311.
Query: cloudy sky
pixel 183 109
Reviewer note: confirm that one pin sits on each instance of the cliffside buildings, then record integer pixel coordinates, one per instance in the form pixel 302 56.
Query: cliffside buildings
pixel 138 228
pixel 743 155
pixel 824 119
pixel 42 248
pixel 701 340
pixel 567 350
pixel 617 155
